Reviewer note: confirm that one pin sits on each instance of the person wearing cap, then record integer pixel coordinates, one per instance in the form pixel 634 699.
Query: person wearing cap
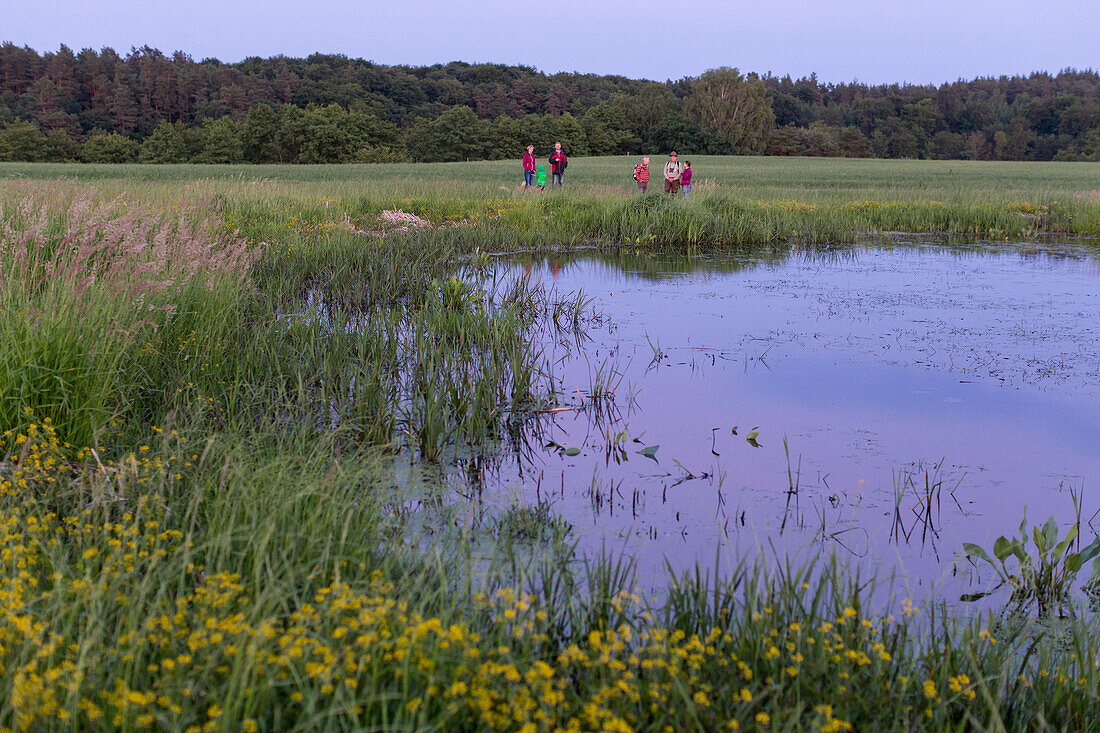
pixel 673 170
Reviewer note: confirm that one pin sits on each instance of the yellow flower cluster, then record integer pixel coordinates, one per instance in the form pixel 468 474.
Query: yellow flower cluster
pixel 36 455
pixel 39 462
pixel 869 205
pixel 795 206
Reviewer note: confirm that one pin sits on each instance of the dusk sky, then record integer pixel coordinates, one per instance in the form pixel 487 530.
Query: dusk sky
pixel 842 40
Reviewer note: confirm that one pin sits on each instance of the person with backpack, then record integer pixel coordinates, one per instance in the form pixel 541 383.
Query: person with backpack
pixel 529 167
pixel 641 174
pixel 558 163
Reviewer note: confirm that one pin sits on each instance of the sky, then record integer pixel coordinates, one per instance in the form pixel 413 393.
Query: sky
pixel 917 41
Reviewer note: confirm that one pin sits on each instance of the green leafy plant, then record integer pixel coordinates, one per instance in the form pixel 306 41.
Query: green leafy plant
pixel 455 293
pixel 1043 574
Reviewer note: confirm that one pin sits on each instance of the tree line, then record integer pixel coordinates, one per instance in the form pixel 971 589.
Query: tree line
pixel 98 106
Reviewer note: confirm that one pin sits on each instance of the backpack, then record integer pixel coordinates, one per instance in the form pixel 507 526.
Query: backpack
pixel 636 169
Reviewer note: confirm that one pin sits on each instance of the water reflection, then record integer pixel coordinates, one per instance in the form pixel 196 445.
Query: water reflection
pixel 885 402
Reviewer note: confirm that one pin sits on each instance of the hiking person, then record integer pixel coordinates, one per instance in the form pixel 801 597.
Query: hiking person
pixel 673 169
pixel 685 178
pixel 529 167
pixel 641 174
pixel 558 163
pixel 542 176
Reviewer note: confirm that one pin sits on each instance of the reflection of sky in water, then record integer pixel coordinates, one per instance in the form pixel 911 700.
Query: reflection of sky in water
pixel 875 364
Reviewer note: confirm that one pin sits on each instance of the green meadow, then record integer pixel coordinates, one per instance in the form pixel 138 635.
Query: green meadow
pixel 812 180
pixel 213 379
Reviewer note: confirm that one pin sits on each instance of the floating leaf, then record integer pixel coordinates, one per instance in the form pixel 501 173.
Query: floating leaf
pixel 734 431
pixel 650 451
pixel 572 451
pixel 753 443
pixel 753 435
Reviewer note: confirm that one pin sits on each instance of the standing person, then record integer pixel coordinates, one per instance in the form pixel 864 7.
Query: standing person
pixel 529 167
pixel 558 163
pixel 641 174
pixel 685 178
pixel 672 174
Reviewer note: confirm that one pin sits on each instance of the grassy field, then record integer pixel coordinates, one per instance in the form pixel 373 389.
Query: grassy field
pixel 812 180
pixel 202 529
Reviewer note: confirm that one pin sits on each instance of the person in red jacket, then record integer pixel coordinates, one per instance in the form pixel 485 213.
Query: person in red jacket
pixel 529 167
pixel 641 174
pixel 558 163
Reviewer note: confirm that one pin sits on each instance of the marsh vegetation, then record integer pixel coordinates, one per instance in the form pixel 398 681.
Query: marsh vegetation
pixel 253 435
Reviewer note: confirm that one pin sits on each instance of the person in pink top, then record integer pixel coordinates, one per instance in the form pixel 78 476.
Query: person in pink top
pixel 685 178
pixel 529 167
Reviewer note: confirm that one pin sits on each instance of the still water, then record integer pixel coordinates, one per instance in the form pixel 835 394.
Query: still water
pixel 886 403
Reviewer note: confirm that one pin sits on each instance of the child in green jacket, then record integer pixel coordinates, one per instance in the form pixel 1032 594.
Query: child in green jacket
pixel 541 178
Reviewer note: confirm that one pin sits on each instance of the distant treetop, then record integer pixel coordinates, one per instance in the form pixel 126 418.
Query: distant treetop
pixel 155 107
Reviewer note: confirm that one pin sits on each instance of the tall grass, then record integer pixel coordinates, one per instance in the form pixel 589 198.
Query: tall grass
pixel 88 285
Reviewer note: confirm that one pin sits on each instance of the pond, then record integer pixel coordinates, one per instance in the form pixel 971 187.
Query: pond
pixel 883 402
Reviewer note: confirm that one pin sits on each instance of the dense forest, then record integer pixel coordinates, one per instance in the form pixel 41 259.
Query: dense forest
pixel 102 107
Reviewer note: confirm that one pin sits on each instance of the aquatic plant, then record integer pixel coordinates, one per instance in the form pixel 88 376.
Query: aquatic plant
pixel 1044 574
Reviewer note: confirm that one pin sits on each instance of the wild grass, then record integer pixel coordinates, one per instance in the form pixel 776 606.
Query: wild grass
pixel 89 286
pixel 205 389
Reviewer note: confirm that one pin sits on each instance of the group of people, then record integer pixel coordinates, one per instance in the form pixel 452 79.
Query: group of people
pixel 536 176
pixel 677 174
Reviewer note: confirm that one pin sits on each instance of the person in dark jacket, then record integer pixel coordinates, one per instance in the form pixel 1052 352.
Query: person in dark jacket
pixel 558 163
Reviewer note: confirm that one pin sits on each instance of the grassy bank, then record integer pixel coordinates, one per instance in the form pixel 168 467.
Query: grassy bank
pixel 209 392
pixel 736 200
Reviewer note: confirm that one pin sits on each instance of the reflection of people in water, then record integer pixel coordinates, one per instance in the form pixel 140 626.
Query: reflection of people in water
pixel 555 267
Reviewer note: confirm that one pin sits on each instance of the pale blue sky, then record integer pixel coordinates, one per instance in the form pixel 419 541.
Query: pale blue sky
pixel 918 41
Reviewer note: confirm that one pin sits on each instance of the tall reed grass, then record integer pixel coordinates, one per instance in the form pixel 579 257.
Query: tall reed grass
pixel 87 285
